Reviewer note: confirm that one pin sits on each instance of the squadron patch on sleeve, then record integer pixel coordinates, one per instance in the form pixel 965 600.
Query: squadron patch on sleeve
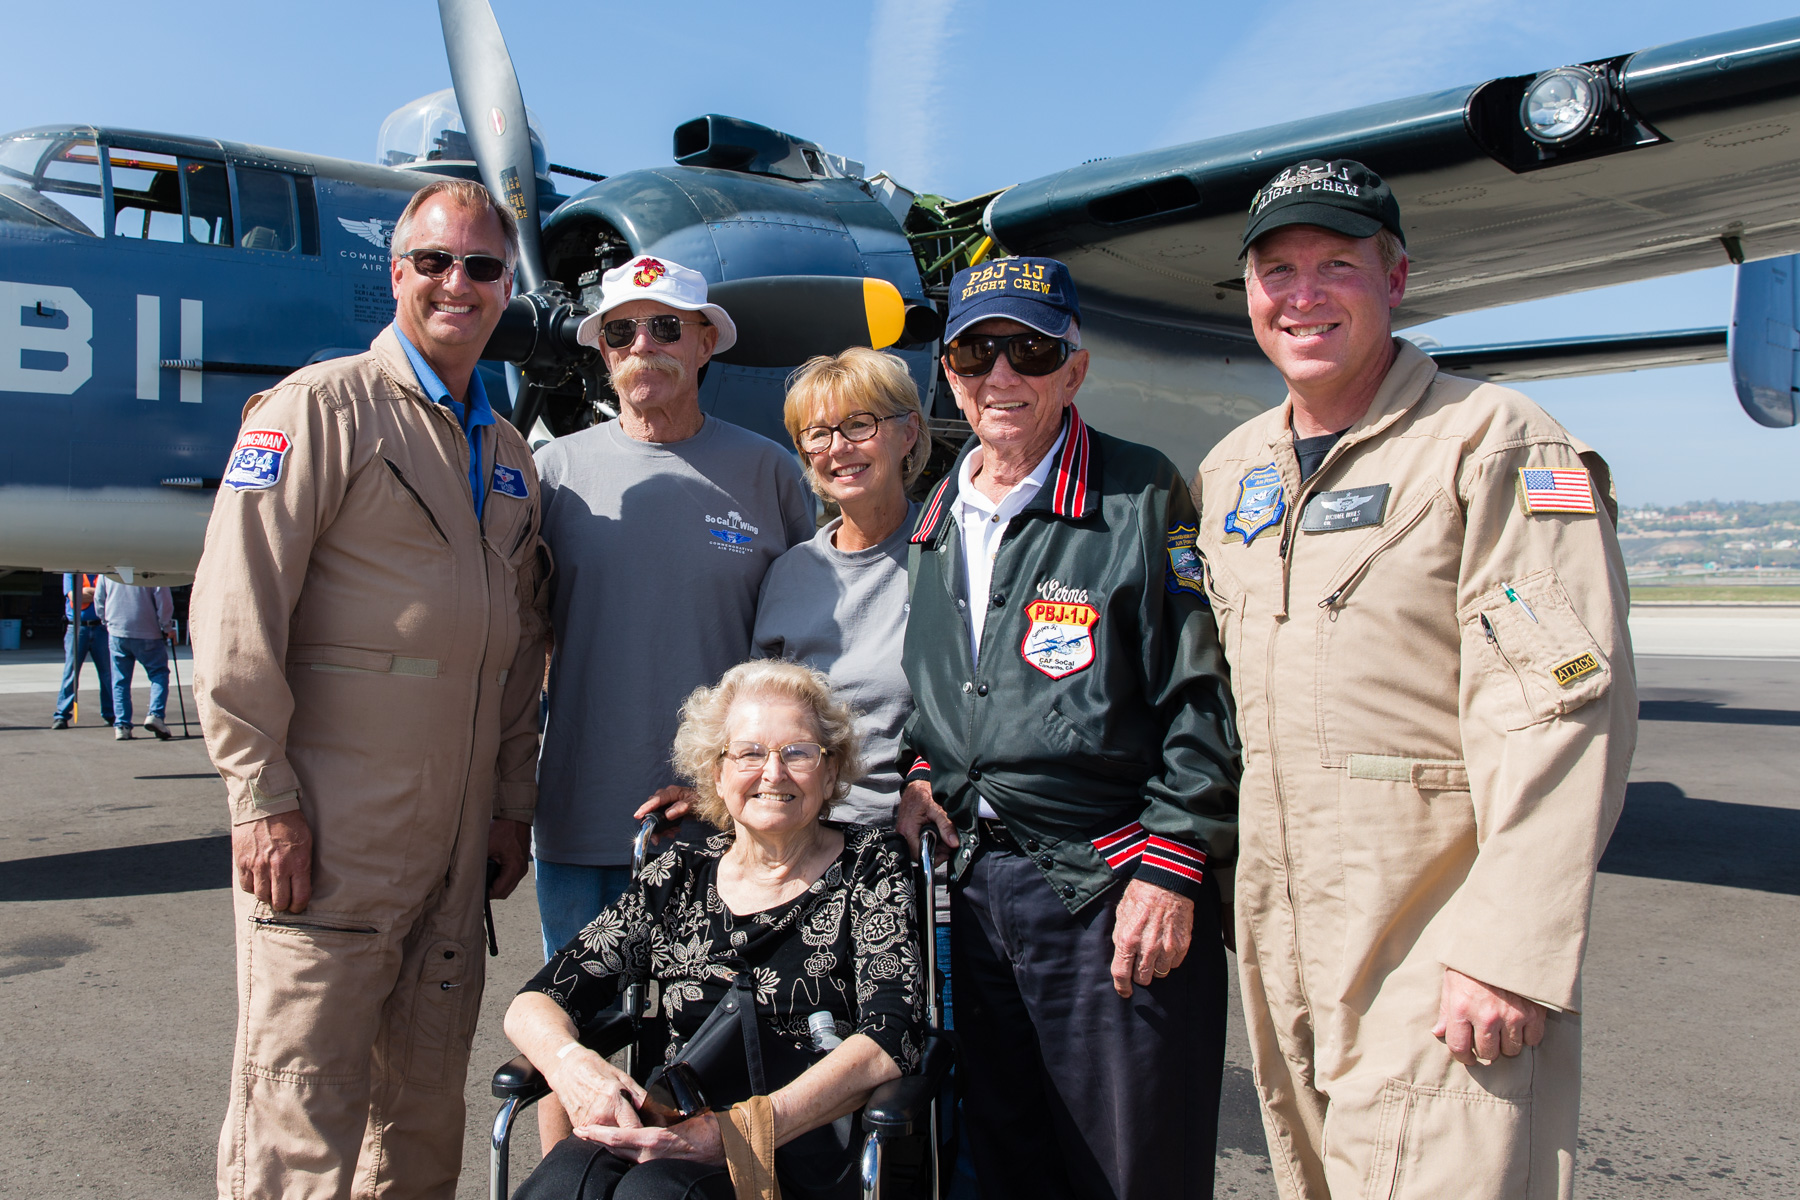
pixel 256 459
pixel 510 481
pixel 1261 503
pixel 1059 640
pixel 1187 573
pixel 1555 490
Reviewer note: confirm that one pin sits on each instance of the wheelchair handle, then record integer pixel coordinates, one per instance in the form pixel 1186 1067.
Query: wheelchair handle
pixel 640 844
pixel 928 840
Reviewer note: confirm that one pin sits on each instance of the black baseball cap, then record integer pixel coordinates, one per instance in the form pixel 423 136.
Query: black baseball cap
pixel 1341 195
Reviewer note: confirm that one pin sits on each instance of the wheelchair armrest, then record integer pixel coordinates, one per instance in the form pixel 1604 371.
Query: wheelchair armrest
pixel 896 1107
pixel 519 1080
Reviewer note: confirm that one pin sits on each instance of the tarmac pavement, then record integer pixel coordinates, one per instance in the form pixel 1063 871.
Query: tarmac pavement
pixel 116 993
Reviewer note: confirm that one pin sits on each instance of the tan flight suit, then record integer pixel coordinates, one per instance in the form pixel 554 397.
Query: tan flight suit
pixel 1422 786
pixel 368 654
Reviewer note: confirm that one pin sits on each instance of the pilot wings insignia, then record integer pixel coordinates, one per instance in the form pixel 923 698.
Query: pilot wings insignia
pixel 374 230
pixel 1340 504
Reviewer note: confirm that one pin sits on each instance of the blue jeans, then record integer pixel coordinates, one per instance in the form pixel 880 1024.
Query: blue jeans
pixel 82 642
pixel 154 654
pixel 570 896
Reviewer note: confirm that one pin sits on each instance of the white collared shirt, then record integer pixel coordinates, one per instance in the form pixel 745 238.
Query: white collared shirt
pixel 983 523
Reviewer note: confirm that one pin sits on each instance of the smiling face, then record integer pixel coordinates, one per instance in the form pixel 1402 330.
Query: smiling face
pixel 1321 305
pixel 772 799
pixel 850 472
pixel 647 373
pixel 1016 416
pixel 451 316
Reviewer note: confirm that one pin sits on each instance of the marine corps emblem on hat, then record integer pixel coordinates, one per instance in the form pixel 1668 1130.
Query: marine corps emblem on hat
pixel 1341 195
pixel 648 272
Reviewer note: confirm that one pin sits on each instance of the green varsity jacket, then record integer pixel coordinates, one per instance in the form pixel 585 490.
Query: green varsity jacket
pixel 1099 722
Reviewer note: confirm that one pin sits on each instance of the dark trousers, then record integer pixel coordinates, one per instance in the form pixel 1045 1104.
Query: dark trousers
pixel 578 1170
pixel 1072 1091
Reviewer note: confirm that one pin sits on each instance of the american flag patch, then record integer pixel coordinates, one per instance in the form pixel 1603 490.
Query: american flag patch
pixel 1556 490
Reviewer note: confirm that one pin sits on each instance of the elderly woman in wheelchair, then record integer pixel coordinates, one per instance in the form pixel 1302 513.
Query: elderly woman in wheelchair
pixel 786 951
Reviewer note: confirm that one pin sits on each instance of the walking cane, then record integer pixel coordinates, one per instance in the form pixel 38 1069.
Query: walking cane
pixel 175 666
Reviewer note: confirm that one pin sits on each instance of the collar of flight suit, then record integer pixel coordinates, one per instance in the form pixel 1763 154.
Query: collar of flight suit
pixel 1072 490
pixel 1407 381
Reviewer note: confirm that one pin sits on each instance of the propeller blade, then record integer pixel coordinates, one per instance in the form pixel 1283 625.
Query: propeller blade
pixel 493 110
pixel 783 320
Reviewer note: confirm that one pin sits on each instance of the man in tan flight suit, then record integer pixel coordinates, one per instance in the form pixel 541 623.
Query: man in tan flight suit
pixel 1419 588
pixel 369 644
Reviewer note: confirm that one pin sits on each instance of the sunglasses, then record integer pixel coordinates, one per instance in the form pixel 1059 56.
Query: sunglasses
pixel 665 329
pixel 435 264
pixel 1029 353
pixel 857 427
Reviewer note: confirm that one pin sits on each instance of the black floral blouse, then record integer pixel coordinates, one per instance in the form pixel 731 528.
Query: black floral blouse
pixel 848 945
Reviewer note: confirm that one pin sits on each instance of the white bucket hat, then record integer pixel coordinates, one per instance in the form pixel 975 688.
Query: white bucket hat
pixel 649 278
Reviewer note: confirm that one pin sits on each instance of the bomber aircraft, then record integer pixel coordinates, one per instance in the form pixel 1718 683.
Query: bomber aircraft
pixel 128 341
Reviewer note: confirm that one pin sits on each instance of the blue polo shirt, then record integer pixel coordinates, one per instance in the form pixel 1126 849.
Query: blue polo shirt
pixel 471 416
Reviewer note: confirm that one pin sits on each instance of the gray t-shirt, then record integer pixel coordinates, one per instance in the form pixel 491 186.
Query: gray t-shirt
pixel 660 551
pixel 844 612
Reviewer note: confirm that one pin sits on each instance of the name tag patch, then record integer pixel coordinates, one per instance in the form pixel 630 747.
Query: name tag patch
pixel 257 459
pixel 1352 508
pixel 1261 503
pixel 1577 668
pixel 510 481
pixel 1059 640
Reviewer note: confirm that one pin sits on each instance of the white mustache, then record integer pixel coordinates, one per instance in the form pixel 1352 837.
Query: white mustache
pixel 626 375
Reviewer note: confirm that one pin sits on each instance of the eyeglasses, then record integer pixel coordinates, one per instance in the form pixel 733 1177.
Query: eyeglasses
pixel 664 328
pixel 435 264
pixel 799 758
pixel 857 427
pixel 1029 353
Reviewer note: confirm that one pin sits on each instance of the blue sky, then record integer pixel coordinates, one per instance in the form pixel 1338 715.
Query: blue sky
pixel 955 96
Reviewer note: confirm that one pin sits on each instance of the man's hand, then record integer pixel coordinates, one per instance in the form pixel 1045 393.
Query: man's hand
pixel 509 844
pixel 273 858
pixel 1478 1023
pixel 672 803
pixel 1151 931
pixel 916 808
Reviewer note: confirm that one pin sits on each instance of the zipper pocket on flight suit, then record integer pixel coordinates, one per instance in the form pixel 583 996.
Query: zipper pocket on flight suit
pixel 313 926
pixel 1348 581
pixel 417 499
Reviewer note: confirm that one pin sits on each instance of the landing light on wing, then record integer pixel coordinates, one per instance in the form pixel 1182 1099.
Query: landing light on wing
pixel 1562 104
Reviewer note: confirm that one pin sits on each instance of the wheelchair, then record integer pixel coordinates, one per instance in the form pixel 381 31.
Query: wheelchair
pixel 898 1116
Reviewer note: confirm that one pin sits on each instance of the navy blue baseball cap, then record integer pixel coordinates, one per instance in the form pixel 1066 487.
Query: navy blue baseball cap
pixel 1032 291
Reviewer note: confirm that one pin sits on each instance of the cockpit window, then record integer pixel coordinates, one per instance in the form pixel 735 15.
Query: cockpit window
pixel 64 171
pixel 266 209
pixel 208 202
pixel 146 188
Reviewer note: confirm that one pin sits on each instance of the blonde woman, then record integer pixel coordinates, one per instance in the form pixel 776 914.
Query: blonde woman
pixel 838 601
pixel 815 918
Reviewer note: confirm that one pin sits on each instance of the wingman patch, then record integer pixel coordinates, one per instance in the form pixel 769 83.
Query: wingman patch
pixel 510 481
pixel 256 459
pixel 1186 572
pixel 1261 503
pixel 1352 508
pixel 1059 640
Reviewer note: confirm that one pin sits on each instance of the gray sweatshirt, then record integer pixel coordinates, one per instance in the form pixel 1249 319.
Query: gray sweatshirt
pixel 134 612
pixel 845 613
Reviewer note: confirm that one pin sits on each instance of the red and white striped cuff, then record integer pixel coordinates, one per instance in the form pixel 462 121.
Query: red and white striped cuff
pixel 1172 865
pixel 1121 847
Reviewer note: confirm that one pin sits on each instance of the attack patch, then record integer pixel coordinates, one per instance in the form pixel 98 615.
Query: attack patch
pixel 510 481
pixel 1059 640
pixel 1353 508
pixel 1186 571
pixel 1576 669
pixel 1555 490
pixel 1261 503
pixel 256 459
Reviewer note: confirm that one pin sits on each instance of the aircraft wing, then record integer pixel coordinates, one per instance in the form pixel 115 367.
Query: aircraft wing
pixel 1692 160
pixel 1565 358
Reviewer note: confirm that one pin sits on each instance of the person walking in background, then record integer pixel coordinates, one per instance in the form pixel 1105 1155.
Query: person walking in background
pixel 83 638
pixel 136 620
